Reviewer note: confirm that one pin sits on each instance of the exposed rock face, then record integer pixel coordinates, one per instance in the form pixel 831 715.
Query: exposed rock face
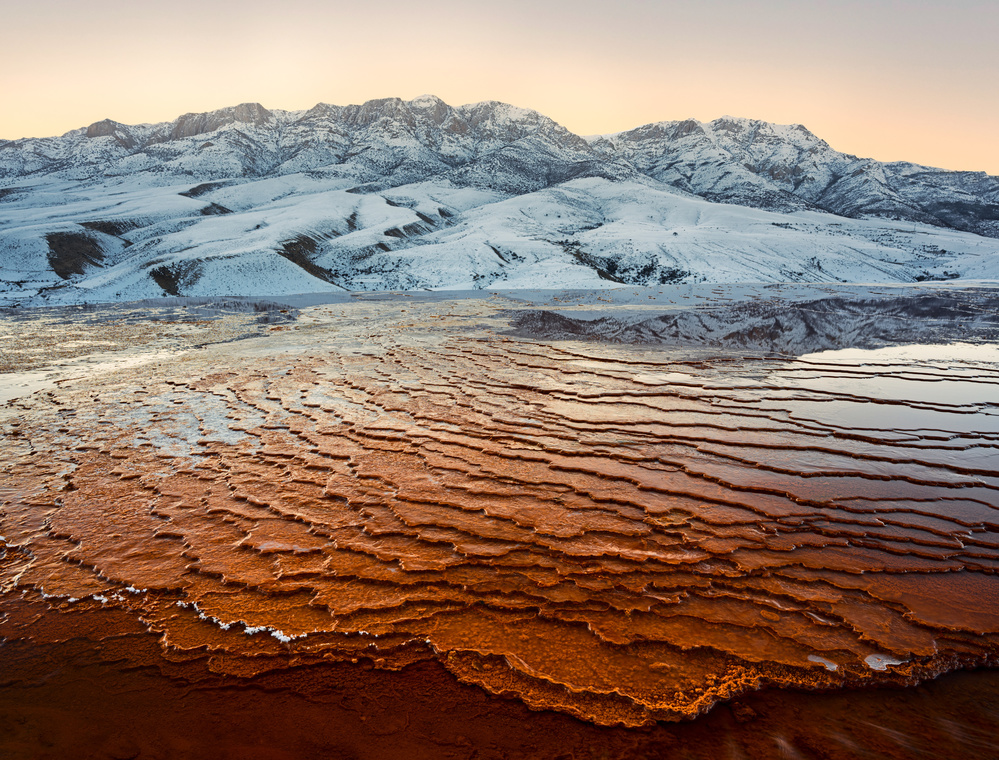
pixel 108 128
pixel 191 124
pixel 73 253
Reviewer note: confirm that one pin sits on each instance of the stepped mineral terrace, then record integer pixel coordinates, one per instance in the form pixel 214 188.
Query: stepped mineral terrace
pixel 624 532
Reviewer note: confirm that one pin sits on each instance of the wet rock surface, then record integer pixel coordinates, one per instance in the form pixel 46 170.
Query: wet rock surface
pixel 391 493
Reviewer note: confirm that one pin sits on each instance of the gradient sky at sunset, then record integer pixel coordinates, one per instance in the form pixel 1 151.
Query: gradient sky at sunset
pixel 891 79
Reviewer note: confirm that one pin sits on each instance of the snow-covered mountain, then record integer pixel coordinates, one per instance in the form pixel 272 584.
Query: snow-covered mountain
pixel 779 167
pixel 383 142
pixel 418 194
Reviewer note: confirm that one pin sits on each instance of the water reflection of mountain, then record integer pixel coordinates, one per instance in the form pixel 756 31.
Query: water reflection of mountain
pixel 788 327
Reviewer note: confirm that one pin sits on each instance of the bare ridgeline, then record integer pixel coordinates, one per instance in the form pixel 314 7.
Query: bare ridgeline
pixel 441 525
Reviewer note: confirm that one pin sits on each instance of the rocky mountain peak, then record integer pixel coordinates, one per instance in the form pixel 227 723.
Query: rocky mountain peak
pixel 102 128
pixel 191 124
pixel 427 101
pixel 109 128
pixel 492 119
pixel 748 132
pixel 667 130
pixel 432 108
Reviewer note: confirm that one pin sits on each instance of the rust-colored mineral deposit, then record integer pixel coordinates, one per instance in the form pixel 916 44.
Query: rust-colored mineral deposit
pixel 624 535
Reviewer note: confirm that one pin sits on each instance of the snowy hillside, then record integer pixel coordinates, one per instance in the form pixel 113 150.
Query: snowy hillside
pixel 778 167
pixel 417 194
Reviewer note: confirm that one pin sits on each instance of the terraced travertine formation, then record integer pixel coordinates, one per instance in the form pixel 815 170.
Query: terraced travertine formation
pixel 623 534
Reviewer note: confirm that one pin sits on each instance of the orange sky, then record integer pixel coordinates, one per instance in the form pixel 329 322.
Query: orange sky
pixel 891 79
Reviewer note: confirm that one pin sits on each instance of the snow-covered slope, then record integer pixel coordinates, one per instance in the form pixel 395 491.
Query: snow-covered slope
pixel 417 194
pixel 755 163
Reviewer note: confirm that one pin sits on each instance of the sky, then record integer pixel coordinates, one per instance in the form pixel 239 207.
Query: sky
pixel 888 79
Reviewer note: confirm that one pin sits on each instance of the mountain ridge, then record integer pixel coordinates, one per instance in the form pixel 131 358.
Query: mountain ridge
pixel 729 160
pixel 412 194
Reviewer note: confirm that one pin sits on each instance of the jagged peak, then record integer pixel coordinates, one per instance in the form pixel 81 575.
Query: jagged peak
pixel 247 113
pixel 191 124
pixel 110 128
pixel 741 120
pixel 430 108
pixel 501 109
pixel 382 102
pixel 512 122
pixel 790 132
pixel 319 110
pixel 736 125
pixel 104 128
pixel 668 130
pixel 426 101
